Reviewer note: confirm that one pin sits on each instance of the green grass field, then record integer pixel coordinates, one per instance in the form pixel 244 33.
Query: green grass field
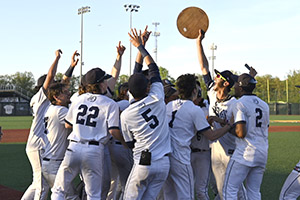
pixel 284 151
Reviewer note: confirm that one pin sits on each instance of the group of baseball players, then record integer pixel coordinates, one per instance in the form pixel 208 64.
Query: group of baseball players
pixel 153 141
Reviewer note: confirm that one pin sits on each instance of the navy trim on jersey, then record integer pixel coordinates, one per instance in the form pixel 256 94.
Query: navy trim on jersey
pixel 154 75
pixel 114 127
pixel 111 92
pixel 208 81
pixel 137 67
pixel 203 129
pixel 68 122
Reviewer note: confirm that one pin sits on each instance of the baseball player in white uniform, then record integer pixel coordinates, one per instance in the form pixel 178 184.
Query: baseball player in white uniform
pixel 201 156
pixel 220 105
pixel 145 129
pixel 291 187
pixel 56 132
pixel 111 82
pixel 121 157
pixel 185 120
pixel 92 115
pixel 37 140
pixel 248 162
pixel 59 96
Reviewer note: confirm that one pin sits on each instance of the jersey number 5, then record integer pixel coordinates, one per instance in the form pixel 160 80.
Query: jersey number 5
pixel 94 112
pixel 145 116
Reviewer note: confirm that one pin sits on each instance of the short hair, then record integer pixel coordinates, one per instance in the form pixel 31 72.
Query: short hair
pixel 185 85
pixel 138 84
pixel 122 90
pixel 55 89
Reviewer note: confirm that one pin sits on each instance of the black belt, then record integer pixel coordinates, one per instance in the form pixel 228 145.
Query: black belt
pixel 118 142
pixel 47 159
pixel 230 151
pixel 199 150
pixel 89 142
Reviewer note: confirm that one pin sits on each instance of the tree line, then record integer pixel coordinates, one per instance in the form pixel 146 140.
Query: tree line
pixel 268 88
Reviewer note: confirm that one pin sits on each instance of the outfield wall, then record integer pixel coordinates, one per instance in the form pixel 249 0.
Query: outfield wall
pixel 23 109
pixel 15 109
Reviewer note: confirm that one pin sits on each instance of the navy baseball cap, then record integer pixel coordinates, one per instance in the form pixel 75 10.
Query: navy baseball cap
pixel 227 75
pixel 95 75
pixel 298 86
pixel 41 81
pixel 137 84
pixel 246 80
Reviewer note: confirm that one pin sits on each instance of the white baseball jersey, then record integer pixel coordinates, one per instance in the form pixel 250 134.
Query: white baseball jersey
pixel 74 96
pixel 56 132
pixel 185 120
pixel 145 121
pixel 92 115
pixel 200 141
pixel 222 110
pixel 37 139
pixel 253 149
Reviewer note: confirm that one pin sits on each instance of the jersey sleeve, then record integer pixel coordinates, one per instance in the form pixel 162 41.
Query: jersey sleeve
pixel 157 91
pixel 239 113
pixel 199 120
pixel 128 137
pixel 113 116
pixel 62 115
pixel 69 115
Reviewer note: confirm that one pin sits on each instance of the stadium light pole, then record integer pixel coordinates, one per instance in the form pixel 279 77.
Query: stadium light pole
pixel 156 34
pixel 81 11
pixel 131 8
pixel 213 47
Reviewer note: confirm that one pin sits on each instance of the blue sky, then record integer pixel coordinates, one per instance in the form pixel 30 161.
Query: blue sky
pixel 264 34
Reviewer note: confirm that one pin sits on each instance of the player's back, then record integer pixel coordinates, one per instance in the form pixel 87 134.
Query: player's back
pixel 91 115
pixel 185 119
pixel 146 120
pixel 255 112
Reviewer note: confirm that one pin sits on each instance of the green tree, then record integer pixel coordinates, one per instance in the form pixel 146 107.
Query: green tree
pixel 23 80
pixel 164 74
pixel 74 83
pixel 5 80
pixel 122 79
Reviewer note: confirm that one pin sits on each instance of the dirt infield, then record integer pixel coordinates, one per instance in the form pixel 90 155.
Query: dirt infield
pixel 9 194
pixel 15 135
pixel 21 135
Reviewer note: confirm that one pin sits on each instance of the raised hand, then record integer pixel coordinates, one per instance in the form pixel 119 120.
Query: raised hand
pixel 201 35
pixel 58 53
pixel 135 38
pixel 73 60
pixel 120 49
pixel 145 35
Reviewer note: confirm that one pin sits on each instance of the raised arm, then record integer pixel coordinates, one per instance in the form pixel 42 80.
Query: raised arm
pixel 52 70
pixel 136 40
pixel 68 74
pixel 201 55
pixel 139 59
pixel 115 72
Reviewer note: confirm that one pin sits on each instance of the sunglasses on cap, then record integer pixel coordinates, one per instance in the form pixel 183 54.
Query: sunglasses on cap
pixel 219 76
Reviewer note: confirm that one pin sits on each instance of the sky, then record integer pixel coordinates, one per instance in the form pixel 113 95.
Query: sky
pixel 264 34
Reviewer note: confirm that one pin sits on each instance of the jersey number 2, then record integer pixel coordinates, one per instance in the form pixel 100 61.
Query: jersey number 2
pixel 80 119
pixel 258 117
pixel 145 116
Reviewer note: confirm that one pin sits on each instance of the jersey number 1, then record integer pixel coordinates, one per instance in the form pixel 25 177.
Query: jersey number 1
pixel 80 119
